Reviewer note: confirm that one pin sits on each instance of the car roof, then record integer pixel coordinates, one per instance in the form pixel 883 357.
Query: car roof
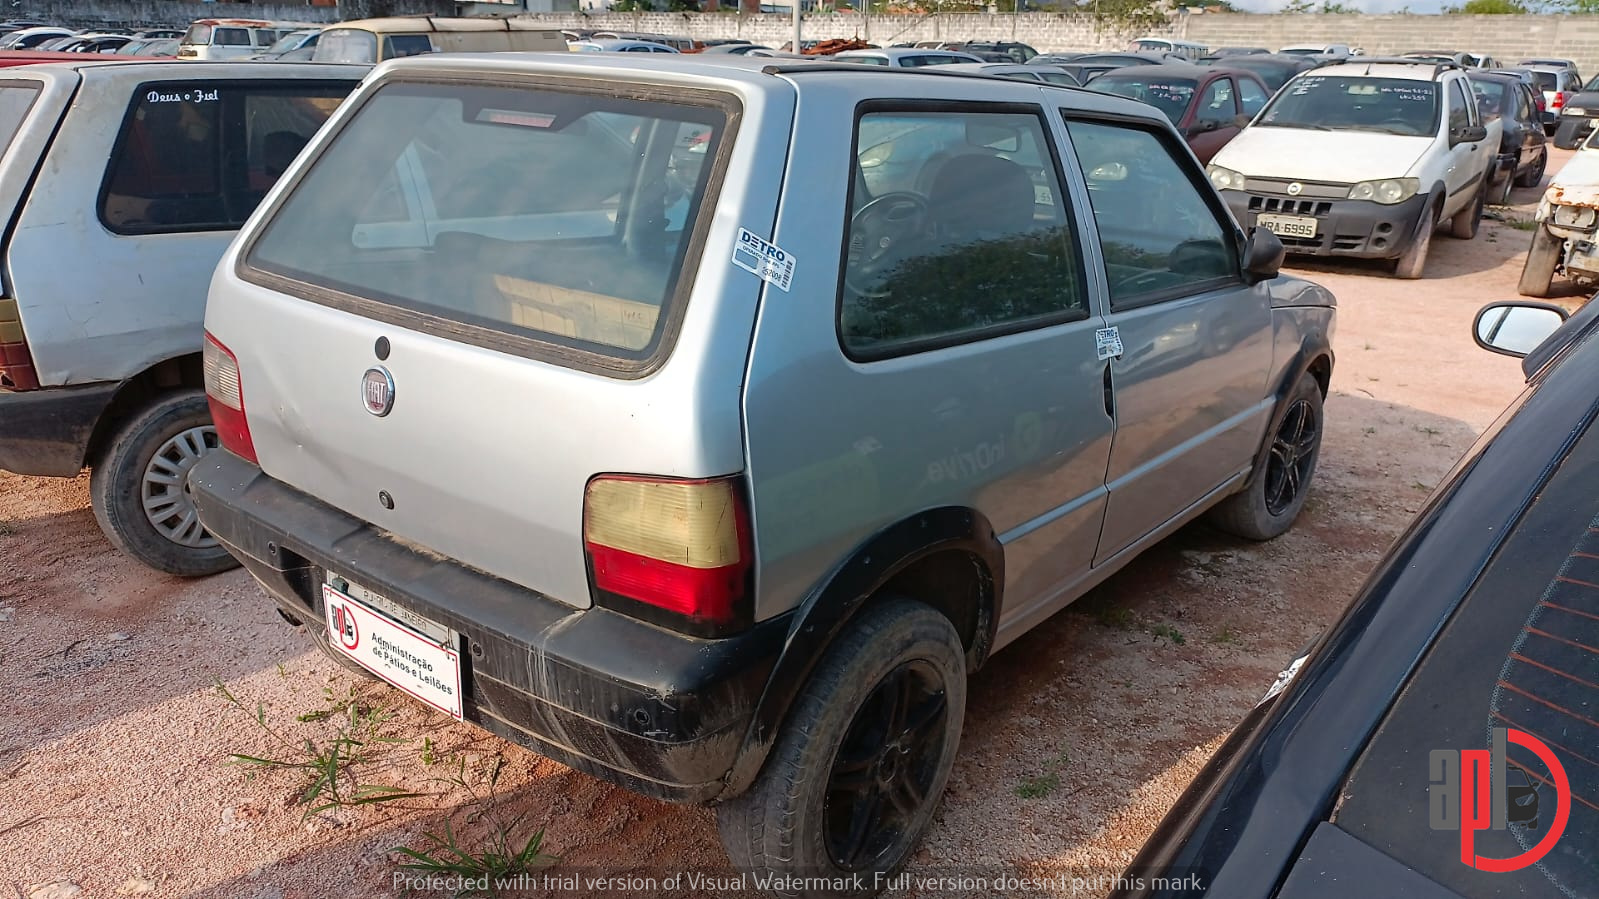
pixel 898 52
pixel 1169 70
pixel 758 74
pixel 1388 68
pixel 134 68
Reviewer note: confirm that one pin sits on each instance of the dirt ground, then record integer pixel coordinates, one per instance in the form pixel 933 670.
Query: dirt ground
pixel 115 776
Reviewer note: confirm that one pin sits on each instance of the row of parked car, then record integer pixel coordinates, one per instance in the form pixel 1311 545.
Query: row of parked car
pixel 489 373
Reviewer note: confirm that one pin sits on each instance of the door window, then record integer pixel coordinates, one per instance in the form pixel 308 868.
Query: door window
pixel 1251 98
pixel 958 230
pixel 200 156
pixel 231 37
pixel 1216 104
pixel 1161 238
pixel 398 45
pixel 1459 108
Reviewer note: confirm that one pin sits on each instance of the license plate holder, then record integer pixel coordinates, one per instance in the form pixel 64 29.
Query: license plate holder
pixel 1302 226
pixel 405 657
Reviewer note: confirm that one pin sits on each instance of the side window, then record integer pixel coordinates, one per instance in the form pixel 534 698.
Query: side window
pixel 1161 239
pixel 1217 104
pixel 231 37
pixel 1523 104
pixel 958 230
pixel 398 45
pixel 1459 108
pixel 199 157
pixel 1251 97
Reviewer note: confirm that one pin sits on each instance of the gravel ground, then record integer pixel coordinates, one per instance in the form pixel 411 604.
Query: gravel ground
pixel 115 740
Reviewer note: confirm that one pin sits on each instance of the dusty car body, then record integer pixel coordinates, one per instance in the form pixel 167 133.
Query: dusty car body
pixel 1567 220
pixel 119 203
pixel 759 481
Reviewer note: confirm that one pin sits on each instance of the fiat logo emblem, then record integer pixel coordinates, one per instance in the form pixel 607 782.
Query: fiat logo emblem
pixel 377 391
pixel 1295 188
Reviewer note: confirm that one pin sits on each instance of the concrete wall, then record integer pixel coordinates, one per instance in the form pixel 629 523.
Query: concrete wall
pixel 179 13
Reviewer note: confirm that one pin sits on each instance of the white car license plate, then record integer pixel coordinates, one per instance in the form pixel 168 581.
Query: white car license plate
pixel 1288 225
pixel 402 656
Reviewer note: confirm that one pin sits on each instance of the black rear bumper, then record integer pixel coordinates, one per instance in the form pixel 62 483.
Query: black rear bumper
pixel 46 432
pixel 658 712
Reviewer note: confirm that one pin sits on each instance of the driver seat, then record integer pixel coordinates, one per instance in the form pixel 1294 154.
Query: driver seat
pixel 979 197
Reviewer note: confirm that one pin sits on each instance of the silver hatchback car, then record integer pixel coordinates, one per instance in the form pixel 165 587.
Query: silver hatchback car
pixel 708 440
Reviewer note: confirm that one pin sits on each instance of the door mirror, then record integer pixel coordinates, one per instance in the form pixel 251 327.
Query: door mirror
pixel 1516 328
pixel 1263 256
pixel 1203 126
pixel 1468 135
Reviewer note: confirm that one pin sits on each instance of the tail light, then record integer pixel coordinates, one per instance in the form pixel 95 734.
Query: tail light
pixel 1539 100
pixel 16 363
pixel 225 395
pixel 674 546
pixel 1559 101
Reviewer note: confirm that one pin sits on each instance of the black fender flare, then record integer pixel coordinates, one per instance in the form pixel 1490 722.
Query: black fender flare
pixel 1300 365
pixel 837 597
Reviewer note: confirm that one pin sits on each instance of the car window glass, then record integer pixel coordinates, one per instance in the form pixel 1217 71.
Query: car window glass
pixel 347 45
pixel 1251 97
pixel 1216 104
pixel 1060 78
pixel 1459 116
pixel 958 229
pixel 195 157
pixel 197 34
pixel 1523 105
pixel 231 37
pixel 1355 103
pixel 15 101
pixel 1169 95
pixel 426 202
pixel 1490 95
pixel 1160 238
pixel 398 45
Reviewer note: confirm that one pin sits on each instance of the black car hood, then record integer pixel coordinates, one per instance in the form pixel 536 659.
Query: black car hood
pixel 1584 100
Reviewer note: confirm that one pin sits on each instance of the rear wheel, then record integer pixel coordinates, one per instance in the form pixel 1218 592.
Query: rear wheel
pixel 1538 273
pixel 1506 188
pixel 1534 177
pixel 1464 224
pixel 1414 260
pixel 860 766
pixel 140 493
pixel 1269 503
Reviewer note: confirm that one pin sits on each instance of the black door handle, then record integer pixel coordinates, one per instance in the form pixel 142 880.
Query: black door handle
pixel 1110 399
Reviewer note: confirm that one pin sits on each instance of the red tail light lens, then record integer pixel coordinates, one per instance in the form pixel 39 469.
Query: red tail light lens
pixel 16 363
pixel 677 546
pixel 1560 100
pixel 225 395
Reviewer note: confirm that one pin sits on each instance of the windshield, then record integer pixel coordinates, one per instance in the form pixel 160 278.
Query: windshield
pixel 286 43
pixel 1351 103
pixel 426 202
pixel 1274 74
pixel 1490 94
pixel 1518 653
pixel 1169 95
pixel 1153 46
pixel 198 34
pixel 347 45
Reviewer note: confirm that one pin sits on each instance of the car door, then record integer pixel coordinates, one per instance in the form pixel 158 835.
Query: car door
pixel 1189 340
pixel 1464 172
pixel 1531 131
pixel 963 371
pixel 1215 118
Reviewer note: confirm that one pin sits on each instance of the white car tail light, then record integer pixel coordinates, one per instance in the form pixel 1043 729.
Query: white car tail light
pixel 225 395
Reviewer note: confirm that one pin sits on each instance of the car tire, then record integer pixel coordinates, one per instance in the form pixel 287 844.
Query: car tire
pixel 897 660
pixel 1414 260
pixel 1509 185
pixel 1465 222
pixel 1538 272
pixel 1277 488
pixel 1534 177
pixel 144 467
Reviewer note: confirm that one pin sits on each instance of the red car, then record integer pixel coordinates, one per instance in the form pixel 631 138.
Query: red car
pixel 1208 104
pixel 9 58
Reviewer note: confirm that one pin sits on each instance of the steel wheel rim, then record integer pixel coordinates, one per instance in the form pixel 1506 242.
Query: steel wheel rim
pixel 1293 452
pixel 164 488
pixel 883 774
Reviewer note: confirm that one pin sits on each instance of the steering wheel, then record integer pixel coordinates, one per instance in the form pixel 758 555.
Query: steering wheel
pixel 879 235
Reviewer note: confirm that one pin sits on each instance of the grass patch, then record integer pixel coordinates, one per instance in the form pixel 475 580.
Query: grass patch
pixel 1226 637
pixel 1118 618
pixel 489 860
pixel 1166 631
pixel 1522 224
pixel 327 767
pixel 1039 786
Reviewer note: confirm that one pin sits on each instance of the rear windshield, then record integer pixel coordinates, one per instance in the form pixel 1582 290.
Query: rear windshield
pixel 15 100
pixel 1348 103
pixel 198 34
pixel 347 45
pixel 553 217
pixel 1169 95
pixel 1546 81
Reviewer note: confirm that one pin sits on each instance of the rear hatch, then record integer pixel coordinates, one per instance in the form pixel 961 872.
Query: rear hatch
pixel 475 299
pixel 30 110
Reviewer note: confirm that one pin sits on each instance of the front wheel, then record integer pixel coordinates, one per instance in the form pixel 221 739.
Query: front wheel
pixel 1410 265
pixel 139 487
pixel 1276 490
pixel 1464 224
pixel 1534 177
pixel 861 763
pixel 1538 273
